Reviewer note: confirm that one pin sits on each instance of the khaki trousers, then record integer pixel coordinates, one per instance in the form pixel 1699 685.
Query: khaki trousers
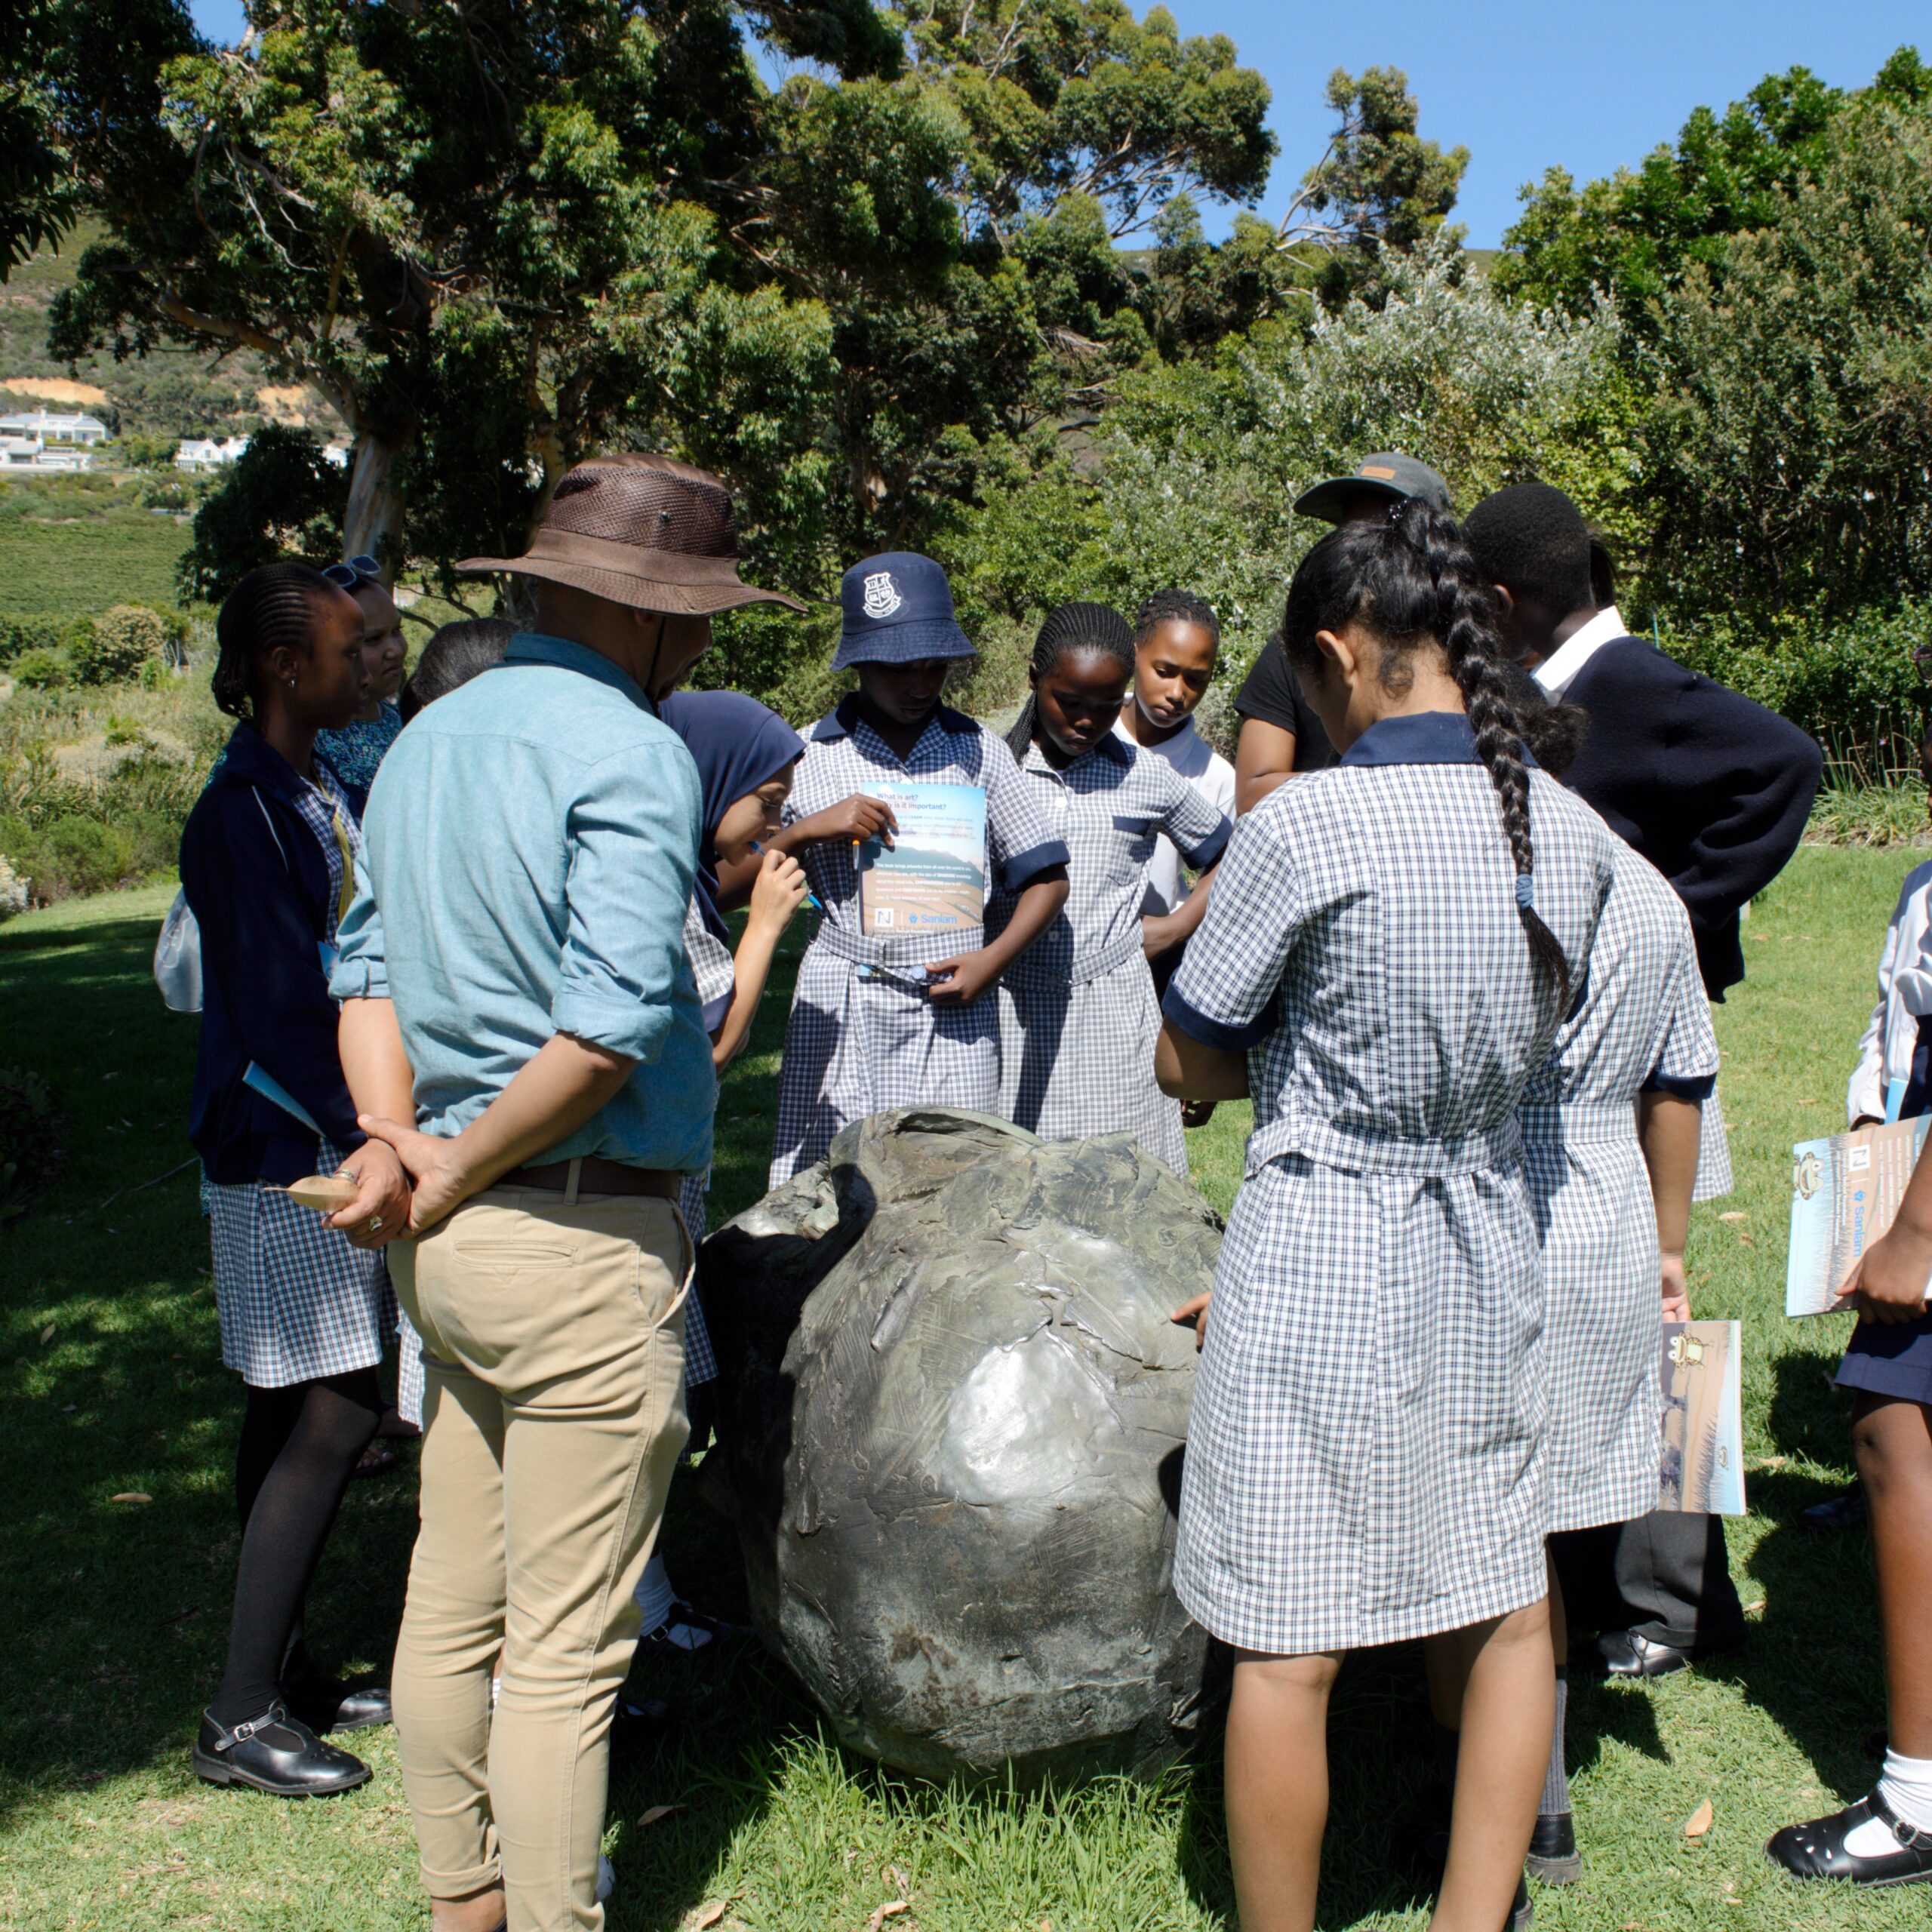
pixel 553 1412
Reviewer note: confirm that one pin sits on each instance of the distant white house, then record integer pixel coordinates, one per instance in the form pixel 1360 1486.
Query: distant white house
pixel 208 452
pixel 74 432
pixel 31 453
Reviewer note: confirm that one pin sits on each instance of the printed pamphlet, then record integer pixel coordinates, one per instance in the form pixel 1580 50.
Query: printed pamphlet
pixel 1703 1418
pixel 933 877
pixel 1844 1192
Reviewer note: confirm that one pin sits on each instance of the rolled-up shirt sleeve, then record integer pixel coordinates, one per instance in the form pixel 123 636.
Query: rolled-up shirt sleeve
pixel 632 834
pixel 1226 994
pixel 361 964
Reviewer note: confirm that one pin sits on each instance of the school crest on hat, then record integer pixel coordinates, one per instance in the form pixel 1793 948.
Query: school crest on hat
pixel 882 597
pixel 897 609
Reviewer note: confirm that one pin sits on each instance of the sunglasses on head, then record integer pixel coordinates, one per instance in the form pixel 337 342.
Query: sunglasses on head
pixel 353 572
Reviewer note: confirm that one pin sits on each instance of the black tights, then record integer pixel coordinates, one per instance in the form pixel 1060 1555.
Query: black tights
pixel 299 1448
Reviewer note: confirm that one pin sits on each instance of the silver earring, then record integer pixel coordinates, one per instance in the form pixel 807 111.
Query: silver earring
pixel 291 683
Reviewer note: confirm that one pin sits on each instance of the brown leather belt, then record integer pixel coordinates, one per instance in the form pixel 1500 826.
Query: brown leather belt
pixel 595 1175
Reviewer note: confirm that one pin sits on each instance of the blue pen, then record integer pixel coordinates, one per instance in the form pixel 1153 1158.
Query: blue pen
pixel 811 898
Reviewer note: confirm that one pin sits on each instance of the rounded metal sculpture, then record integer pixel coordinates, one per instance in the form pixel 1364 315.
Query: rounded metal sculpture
pixel 955 1429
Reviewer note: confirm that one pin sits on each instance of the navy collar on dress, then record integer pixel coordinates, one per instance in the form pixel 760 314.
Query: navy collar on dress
pixel 539 647
pixel 1421 737
pixel 844 720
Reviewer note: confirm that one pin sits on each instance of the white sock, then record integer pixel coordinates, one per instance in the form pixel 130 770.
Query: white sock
pixel 655 1595
pixel 1905 1785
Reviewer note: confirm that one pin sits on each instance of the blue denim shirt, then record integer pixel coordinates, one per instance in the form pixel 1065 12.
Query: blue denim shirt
pixel 528 853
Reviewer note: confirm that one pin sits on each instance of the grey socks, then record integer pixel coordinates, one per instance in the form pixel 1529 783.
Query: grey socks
pixel 1556 1780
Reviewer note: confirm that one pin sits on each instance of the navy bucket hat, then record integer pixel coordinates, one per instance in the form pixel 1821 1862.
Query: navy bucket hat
pixel 898 609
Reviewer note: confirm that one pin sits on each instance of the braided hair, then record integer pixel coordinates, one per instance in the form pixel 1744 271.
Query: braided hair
pixel 1174 607
pixel 1410 580
pixel 270 608
pixel 1073 630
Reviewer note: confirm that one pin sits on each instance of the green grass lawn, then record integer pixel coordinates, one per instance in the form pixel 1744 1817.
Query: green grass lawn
pixel 112 1615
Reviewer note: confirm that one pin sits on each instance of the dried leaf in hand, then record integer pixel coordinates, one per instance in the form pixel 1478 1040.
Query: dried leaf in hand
pixel 653 1813
pixel 324 1193
pixel 1699 1822
pixel 131 1495
pixel 891 1908
pixel 47 1335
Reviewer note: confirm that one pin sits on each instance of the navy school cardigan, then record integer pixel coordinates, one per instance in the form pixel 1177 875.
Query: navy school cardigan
pixel 258 885
pixel 1713 789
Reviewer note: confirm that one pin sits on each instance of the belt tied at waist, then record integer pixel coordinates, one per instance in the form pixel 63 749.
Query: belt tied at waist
pixel 1572 1123
pixel 1354 1152
pixel 1043 966
pixel 915 950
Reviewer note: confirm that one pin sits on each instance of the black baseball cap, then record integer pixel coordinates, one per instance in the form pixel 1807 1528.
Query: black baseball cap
pixel 1387 473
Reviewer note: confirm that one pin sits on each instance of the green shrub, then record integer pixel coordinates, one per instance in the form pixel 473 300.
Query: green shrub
pixel 120 640
pixel 42 669
pixel 43 633
pixel 32 1142
pixel 77 856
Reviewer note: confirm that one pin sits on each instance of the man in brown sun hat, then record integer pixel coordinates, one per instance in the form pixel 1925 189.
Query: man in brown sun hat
pixel 520 1023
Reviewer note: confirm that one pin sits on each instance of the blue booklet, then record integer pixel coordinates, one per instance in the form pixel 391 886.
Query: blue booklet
pixel 933 878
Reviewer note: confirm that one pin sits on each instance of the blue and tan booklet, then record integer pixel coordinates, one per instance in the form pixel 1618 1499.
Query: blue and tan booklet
pixel 933 877
pixel 1845 1192
pixel 1703 1418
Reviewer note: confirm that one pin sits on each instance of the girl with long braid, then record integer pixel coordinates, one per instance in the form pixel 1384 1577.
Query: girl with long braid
pixel 1391 948
pixel 1077 1016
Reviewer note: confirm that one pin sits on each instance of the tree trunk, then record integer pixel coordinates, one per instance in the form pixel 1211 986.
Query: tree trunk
pixel 373 521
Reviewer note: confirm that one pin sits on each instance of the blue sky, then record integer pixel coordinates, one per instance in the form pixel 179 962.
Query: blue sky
pixel 1524 84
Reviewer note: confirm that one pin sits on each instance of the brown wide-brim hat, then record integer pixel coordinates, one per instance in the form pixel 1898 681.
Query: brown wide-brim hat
pixel 645 530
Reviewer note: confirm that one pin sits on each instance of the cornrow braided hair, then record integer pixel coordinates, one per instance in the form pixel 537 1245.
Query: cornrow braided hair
pixel 1168 607
pixel 270 607
pixel 1073 630
pixel 1410 580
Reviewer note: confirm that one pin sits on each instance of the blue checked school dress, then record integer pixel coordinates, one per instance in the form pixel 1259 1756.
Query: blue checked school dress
pixel 296 1301
pixel 863 1036
pixel 1645 1023
pixel 1366 1461
pixel 1077 1016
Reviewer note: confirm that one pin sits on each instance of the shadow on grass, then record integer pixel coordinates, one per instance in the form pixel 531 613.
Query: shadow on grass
pixel 1812 1663
pixel 114 1615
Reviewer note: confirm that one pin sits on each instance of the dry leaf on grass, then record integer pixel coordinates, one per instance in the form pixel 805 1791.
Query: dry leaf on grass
pixel 891 1908
pixel 1699 1822
pixel 653 1813
pixel 1736 1214
pixel 47 1334
pixel 897 1879
pixel 708 1915
pixel 131 1495
pixel 1751 1609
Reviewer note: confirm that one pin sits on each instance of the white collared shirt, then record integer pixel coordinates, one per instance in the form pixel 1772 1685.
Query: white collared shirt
pixel 1558 671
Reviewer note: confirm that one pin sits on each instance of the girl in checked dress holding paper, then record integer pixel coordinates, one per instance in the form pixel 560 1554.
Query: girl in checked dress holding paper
pixel 899 1022
pixel 1390 949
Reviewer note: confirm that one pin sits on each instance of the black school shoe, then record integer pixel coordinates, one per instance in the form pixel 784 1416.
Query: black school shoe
pixel 275 1753
pixel 1554 1858
pixel 1627 1653
pixel 1816 1848
pixel 324 1705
